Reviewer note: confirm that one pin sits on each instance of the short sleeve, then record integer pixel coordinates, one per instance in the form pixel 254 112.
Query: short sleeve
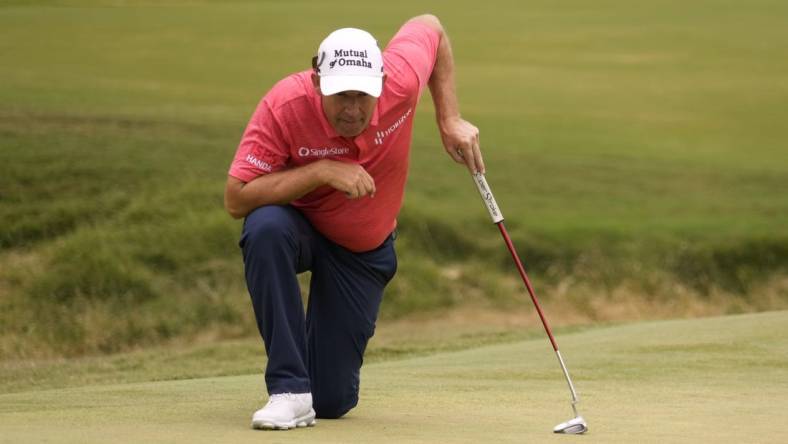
pixel 263 148
pixel 410 56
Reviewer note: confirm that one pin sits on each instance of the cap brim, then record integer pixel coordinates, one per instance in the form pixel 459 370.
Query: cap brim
pixel 330 85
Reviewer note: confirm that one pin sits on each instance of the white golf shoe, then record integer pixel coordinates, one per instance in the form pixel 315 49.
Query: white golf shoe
pixel 285 411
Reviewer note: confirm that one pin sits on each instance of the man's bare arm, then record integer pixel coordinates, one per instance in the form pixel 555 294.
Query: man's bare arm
pixel 283 187
pixel 460 138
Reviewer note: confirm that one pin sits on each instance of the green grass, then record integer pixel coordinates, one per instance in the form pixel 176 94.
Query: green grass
pixel 717 379
pixel 634 147
pixel 394 340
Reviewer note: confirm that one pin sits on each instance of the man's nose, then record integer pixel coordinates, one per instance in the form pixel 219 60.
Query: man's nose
pixel 352 107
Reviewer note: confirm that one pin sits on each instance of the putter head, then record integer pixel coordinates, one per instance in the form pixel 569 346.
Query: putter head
pixel 574 426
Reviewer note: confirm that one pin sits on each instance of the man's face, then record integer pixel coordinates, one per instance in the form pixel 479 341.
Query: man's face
pixel 349 112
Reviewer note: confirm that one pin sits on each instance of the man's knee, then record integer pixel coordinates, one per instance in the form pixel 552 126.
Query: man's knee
pixel 330 406
pixel 267 226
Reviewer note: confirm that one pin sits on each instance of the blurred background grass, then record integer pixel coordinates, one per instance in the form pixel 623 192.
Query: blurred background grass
pixel 637 149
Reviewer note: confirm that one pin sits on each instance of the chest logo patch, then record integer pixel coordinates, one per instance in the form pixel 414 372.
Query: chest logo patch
pixel 381 135
pixel 323 152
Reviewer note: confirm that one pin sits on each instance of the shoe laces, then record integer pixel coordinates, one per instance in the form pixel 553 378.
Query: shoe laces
pixel 279 397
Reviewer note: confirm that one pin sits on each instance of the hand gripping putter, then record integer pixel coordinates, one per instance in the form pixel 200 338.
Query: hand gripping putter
pixel 577 425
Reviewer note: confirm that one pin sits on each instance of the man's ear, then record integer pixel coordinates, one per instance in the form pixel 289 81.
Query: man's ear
pixel 316 82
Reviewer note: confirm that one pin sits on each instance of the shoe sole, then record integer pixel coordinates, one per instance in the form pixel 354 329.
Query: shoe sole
pixel 305 421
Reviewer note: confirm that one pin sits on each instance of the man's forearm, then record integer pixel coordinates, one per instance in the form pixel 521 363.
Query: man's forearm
pixel 284 187
pixel 276 188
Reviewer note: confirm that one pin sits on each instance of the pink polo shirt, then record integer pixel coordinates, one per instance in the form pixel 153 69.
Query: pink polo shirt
pixel 288 129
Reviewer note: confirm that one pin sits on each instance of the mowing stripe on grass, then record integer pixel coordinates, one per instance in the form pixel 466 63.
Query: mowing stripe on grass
pixel 717 380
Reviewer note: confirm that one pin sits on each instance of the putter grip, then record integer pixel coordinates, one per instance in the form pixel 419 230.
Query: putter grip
pixel 487 197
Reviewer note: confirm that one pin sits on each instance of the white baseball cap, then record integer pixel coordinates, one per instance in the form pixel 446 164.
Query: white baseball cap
pixel 349 60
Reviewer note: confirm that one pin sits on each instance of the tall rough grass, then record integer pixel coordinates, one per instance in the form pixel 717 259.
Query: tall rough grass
pixel 637 150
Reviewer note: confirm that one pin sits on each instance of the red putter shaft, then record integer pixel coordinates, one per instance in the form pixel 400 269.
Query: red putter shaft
pixel 527 282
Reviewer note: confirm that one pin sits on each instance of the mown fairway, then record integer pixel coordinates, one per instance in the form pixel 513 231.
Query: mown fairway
pixel 709 380
pixel 627 117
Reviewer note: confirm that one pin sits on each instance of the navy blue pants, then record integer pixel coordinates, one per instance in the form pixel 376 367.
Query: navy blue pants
pixel 320 352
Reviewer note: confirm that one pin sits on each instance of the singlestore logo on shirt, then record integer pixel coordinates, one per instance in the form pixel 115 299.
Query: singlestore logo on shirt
pixel 323 152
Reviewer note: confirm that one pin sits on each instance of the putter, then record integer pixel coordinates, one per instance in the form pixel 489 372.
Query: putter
pixel 576 425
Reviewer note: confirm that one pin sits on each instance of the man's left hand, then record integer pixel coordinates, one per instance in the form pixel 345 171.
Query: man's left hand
pixel 461 140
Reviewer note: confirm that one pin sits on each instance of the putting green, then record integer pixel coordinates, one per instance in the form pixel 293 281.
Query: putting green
pixel 711 380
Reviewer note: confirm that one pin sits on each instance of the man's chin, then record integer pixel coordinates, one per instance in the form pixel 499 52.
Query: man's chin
pixel 350 131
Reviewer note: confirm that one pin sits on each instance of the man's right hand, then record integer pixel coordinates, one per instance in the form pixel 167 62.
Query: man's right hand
pixel 350 178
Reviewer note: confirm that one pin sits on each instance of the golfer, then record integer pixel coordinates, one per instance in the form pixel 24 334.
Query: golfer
pixel 319 176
